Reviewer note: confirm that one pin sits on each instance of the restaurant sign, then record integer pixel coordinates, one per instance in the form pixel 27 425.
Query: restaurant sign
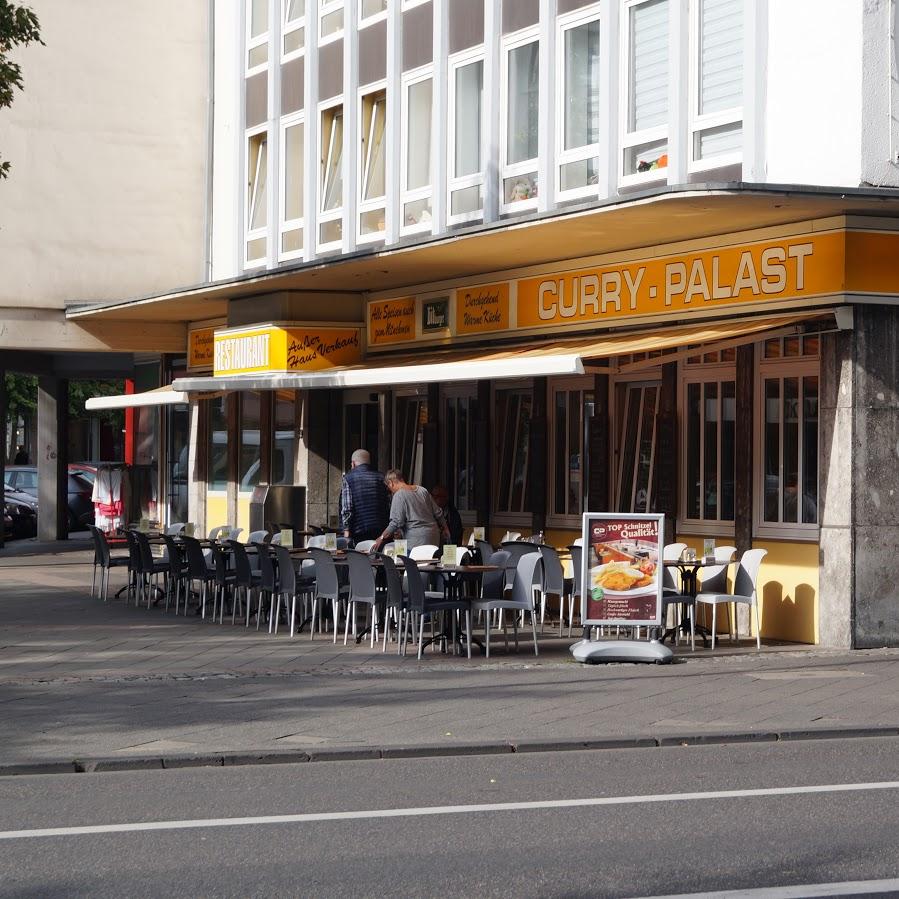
pixel 621 572
pixel 435 315
pixel 284 348
pixel 200 343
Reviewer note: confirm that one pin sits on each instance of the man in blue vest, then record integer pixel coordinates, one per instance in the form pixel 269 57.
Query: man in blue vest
pixel 364 501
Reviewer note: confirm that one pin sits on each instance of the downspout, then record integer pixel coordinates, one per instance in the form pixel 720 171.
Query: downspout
pixel 210 141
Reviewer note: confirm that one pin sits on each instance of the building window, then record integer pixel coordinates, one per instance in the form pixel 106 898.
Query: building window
pixel 636 413
pixel 330 21
pixel 371 11
pixel 256 243
pixel 217 478
pixel 292 179
pixel 417 129
pixel 716 108
pixel 787 483
pixel 572 403
pixel 410 413
pixel 249 457
pixel 466 147
pixel 257 36
pixel 372 191
pixel 644 152
pixel 293 28
pixel 461 416
pixel 330 224
pixel 284 446
pixel 520 135
pixel 513 408
pixel 709 443
pixel 578 108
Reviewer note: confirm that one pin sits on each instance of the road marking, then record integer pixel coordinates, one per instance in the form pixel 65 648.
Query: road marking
pixel 846 888
pixel 426 811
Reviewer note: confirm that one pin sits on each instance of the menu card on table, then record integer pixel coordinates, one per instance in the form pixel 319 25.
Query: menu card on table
pixel 449 554
pixel 708 549
pixel 478 533
pixel 143 525
pixel 400 548
pixel 189 529
pixel 287 537
pixel 331 542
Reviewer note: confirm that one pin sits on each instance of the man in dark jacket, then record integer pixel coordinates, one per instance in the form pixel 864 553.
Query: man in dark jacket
pixel 364 501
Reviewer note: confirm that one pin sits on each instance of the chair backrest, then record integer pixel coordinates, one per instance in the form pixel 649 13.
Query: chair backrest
pixel 101 547
pixel 511 536
pixel 196 562
pixel 424 553
pixel 414 584
pixel 577 560
pixel 553 575
pixel 485 549
pixel 493 584
pixel 257 537
pixel 287 574
pixel 266 567
pixel 326 584
pixel 463 555
pixel 394 582
pixel 578 542
pixel 146 553
pixel 243 570
pixel 362 577
pixel 746 578
pixel 174 553
pixel 523 582
pixel 218 560
pixel 714 578
pixel 272 539
pixel 234 533
pixel 217 532
pixel 134 563
pixel 365 546
pixel 671 552
pixel 175 528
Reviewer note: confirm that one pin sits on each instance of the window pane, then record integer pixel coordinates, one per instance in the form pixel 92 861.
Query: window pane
pixel 218 444
pixel 468 199
pixel 728 434
pixel 417 212
pixel 628 428
pixel 331 22
pixel 291 241
pixel 581 98
pixel 772 449
pixel 469 91
pixel 643 493
pixel 418 135
pixel 293 172
pixel 646 157
pixel 521 187
pixel 248 465
pixel 710 452
pixel 373 7
pixel 294 40
pixel 575 442
pixel 258 17
pixel 648 101
pixel 257 160
pixel 523 95
pixel 373 119
pixel 332 155
pixel 790 449
pixel 694 425
pixel 561 452
pixel 583 173
pixel 372 222
pixel 719 141
pixel 257 56
pixel 463 468
pixel 295 9
pixel 513 435
pixel 284 447
pixel 810 450
pixel 720 55
pixel 330 232
pixel 257 249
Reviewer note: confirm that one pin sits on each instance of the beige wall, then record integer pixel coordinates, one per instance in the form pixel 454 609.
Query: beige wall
pixel 106 197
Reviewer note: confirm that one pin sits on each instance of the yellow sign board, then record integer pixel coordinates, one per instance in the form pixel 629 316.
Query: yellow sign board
pixel 774 270
pixel 391 321
pixel 275 348
pixel 482 309
pixel 200 348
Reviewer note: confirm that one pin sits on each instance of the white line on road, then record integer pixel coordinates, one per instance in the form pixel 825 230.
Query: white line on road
pixel 313 817
pixel 799 891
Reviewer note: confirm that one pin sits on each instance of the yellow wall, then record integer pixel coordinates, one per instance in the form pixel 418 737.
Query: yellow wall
pixel 216 510
pixel 243 514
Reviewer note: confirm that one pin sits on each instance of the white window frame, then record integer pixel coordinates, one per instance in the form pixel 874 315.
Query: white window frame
pixel 285 225
pixel 701 373
pixel 477 179
pixel 591 151
pixel 332 215
pixel 365 21
pixel 411 4
pixel 362 205
pixel 628 138
pixel 410 79
pixel 699 123
pixel 251 43
pixel 795 367
pixel 251 234
pixel 585 384
pixel 290 26
pixel 506 518
pixel 326 7
pixel 527 166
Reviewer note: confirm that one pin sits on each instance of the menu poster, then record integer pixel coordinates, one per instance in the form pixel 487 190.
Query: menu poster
pixel 622 575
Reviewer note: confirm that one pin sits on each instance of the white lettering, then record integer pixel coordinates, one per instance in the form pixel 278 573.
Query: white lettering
pixel 719 291
pixel 774 273
pixel 546 312
pixel 611 290
pixel 633 284
pixel 568 309
pixel 798 252
pixel 746 276
pixel 589 294
pixel 675 280
pixel 698 284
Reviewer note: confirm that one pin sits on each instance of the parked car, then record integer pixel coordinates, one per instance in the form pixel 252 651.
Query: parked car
pixel 80 490
pixel 19 517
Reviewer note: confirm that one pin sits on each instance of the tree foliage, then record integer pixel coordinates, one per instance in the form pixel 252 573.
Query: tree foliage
pixel 19 27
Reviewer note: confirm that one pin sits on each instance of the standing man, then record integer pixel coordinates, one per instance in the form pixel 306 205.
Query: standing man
pixel 364 501
pixel 450 513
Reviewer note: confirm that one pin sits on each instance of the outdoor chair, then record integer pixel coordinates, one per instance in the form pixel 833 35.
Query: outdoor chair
pixel 516 549
pixel 395 602
pixel 327 589
pixel 245 579
pixel 363 591
pixel 426 604
pixel 577 561
pixel 425 552
pixel 134 565
pixel 290 586
pixel 219 532
pixel 150 568
pixel 267 584
pixel 177 575
pixel 552 583
pixel 365 546
pixel 493 597
pixel 104 560
pixel 199 571
pixel 174 529
pixel 224 581
pixel 258 537
pixel 485 549
pixel 745 591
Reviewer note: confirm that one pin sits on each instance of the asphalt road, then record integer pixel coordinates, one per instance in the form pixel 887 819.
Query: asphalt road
pixel 644 822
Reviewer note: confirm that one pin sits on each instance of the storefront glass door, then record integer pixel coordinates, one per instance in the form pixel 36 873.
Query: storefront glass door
pixel 360 427
pixel 177 437
pixel 637 412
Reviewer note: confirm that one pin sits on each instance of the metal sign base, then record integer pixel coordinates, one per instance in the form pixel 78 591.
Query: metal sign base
pixel 594 652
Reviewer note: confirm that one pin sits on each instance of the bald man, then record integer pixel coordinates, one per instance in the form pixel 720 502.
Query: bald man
pixel 364 501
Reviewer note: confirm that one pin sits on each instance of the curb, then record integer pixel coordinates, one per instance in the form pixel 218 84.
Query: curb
pixel 432 750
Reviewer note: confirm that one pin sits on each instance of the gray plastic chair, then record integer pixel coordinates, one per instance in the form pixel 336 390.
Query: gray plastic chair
pixel 577 561
pixel 363 591
pixel 395 601
pixel 552 583
pixel 327 588
pixel 745 591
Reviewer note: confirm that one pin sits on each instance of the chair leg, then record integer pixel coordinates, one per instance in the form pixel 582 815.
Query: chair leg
pixel 714 623
pixel 468 630
pixel 421 633
pixel 487 636
pixel 693 627
pixel 758 627
pixel 94 580
pixel 346 627
pixel 534 629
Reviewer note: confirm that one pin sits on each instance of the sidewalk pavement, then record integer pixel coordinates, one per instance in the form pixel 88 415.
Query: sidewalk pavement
pixel 84 679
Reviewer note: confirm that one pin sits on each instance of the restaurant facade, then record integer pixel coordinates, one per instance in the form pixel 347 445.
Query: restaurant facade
pixel 506 249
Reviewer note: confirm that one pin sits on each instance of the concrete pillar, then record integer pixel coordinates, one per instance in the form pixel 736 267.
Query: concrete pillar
pixel 197 469
pixel 52 467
